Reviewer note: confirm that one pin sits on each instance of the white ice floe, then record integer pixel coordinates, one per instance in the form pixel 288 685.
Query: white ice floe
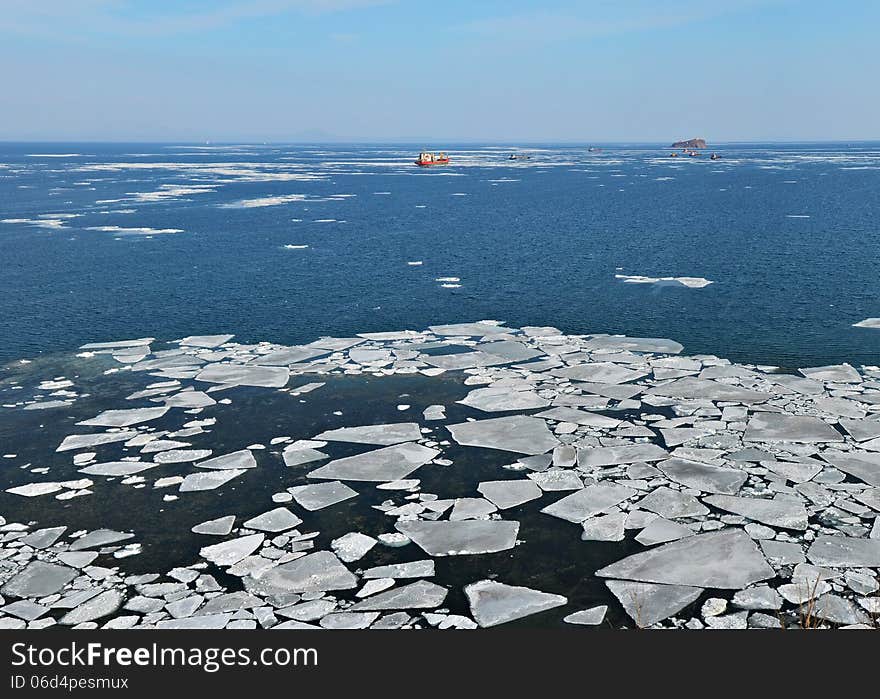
pixel 260 202
pixel 868 323
pixel 140 230
pixel 690 282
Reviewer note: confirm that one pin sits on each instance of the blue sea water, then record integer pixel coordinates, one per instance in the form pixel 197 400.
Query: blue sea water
pixel 787 233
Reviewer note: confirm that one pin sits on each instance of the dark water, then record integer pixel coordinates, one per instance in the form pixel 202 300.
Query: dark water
pixel 533 242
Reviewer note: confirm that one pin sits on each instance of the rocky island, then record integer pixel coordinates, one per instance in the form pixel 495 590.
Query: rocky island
pixel 690 143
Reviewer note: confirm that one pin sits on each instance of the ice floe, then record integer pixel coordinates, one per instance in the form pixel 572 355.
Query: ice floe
pixel 734 494
pixel 690 282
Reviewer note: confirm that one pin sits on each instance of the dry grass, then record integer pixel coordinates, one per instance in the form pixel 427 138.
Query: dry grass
pixel 807 620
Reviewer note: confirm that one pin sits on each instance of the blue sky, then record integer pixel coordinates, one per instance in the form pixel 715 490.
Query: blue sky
pixel 453 70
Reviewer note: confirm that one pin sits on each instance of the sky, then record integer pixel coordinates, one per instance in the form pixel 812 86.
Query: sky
pixel 439 71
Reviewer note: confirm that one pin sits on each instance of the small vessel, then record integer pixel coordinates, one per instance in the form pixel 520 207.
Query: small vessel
pixel 715 156
pixel 673 155
pixel 426 159
pixel 519 156
pixel 593 149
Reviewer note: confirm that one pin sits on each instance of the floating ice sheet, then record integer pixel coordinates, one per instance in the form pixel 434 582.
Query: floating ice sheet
pixel 461 538
pixel 125 418
pixel 374 434
pixel 778 427
pixel 493 603
pixel 317 496
pixel 727 559
pixel 518 433
pixel 388 464
pixel 239 375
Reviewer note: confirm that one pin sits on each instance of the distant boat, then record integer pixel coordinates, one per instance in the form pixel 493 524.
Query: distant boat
pixel 715 156
pixel 426 159
pixel 593 149
pixel 519 156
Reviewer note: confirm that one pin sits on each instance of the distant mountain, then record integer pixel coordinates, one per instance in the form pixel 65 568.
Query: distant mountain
pixel 692 143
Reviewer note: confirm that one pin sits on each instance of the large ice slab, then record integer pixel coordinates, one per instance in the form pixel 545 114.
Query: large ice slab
pixel 518 433
pixel 706 389
pixel 727 559
pixel 510 349
pixel 240 375
pixel 844 552
pixel 670 503
pixel 443 538
pixel 580 417
pixel 321 571
pixel 241 459
pixel 117 468
pixel 206 341
pixel 215 527
pixel 380 465
pixel 209 480
pixel 864 466
pixel 230 552
pixel 785 512
pixel 648 603
pixel 289 355
pixel 418 595
pixel 861 430
pixel 588 502
pixel 463 360
pixel 124 418
pixel 384 435
pixel 317 496
pixel 99 606
pixel 468 329
pixel 600 372
pixel 118 344
pixel 614 456
pixel 780 427
pixel 84 441
pixel 837 373
pixel 705 477
pixel 505 494
pixel 277 520
pixel 654 345
pixel 493 400
pixel 38 579
pixel 493 603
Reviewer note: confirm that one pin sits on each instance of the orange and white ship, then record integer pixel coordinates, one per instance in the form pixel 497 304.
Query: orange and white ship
pixel 426 159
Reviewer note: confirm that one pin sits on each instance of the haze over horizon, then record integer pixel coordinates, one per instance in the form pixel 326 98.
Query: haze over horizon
pixel 411 72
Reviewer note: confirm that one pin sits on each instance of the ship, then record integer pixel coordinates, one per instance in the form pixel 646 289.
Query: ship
pixel 519 156
pixel 426 159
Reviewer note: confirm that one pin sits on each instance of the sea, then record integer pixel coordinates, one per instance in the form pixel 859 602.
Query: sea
pixel 287 243
pixel 766 255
